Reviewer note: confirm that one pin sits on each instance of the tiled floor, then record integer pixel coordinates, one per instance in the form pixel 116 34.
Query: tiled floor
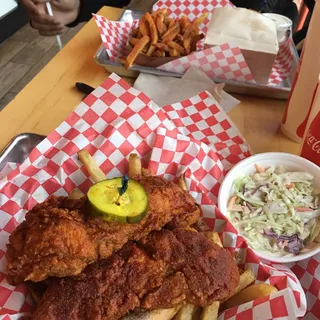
pixel 25 53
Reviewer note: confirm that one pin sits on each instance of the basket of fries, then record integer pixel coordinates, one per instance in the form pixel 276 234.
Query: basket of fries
pixel 159 36
pixel 170 40
pixel 168 264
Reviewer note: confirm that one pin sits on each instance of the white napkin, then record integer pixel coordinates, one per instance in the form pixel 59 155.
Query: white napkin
pixel 227 101
pixel 167 90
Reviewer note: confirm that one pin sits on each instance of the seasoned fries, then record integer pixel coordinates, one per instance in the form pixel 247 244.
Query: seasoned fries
pixel 161 27
pixel 158 35
pixel 171 33
pixel 151 50
pixel 176 46
pixel 93 169
pixel 136 50
pixel 159 53
pixel 143 27
pixel 133 41
pixel 134 165
pixel 152 28
pixel 184 21
pixel 200 20
pixel 174 53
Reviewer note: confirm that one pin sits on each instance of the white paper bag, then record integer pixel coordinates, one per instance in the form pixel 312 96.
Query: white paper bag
pixel 255 34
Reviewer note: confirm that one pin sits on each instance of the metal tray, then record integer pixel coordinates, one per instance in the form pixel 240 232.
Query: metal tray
pixel 19 148
pixel 281 91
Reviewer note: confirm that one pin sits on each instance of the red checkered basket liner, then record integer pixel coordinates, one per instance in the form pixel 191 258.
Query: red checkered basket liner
pixel 194 137
pixel 224 62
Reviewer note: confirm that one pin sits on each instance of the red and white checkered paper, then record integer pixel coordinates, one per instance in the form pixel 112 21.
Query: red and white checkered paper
pixel 283 63
pixel 220 63
pixel 194 136
pixel 224 62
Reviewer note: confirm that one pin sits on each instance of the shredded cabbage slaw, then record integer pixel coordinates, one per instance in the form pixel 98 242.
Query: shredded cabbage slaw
pixel 275 210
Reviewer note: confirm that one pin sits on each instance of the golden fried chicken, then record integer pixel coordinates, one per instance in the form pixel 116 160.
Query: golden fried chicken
pixel 167 268
pixel 58 238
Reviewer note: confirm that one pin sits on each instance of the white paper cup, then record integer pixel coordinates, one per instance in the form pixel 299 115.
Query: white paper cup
pixel 283 25
pixel 246 167
pixel 297 110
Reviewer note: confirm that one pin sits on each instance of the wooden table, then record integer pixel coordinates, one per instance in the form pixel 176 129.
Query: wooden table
pixel 47 100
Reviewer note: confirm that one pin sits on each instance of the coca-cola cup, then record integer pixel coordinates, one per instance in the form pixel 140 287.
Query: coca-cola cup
pixel 297 112
pixel 310 148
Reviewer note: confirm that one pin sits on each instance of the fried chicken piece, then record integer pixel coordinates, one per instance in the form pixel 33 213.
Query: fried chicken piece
pixel 165 269
pixel 58 238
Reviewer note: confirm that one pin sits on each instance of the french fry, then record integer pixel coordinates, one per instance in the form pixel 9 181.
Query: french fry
pixel 184 21
pixel 186 312
pixel 159 53
pixel 173 45
pixel 179 38
pixel 182 183
pixel 151 50
pixel 201 19
pixel 211 312
pixel 174 53
pixel 160 25
pixel 162 46
pixel 92 167
pixel 134 165
pixel 162 11
pixel 76 194
pixel 143 27
pixel 152 28
pixel 246 278
pixel 214 237
pixel 133 41
pixel 251 293
pixel 171 33
pixel 164 314
pixel 136 50
pixel 139 36
pixel 166 21
pixel 188 32
pixel 187 45
pixel 171 23
pixel 195 40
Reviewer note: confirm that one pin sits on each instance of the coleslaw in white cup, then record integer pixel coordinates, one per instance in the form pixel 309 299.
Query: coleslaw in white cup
pixel 272 199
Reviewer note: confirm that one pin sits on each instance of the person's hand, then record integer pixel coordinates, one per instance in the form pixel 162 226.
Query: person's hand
pixel 64 12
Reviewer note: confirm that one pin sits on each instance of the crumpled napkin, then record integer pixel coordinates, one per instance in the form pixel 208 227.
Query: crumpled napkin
pixel 168 90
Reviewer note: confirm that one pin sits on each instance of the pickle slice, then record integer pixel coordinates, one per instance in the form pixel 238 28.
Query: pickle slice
pixel 105 201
